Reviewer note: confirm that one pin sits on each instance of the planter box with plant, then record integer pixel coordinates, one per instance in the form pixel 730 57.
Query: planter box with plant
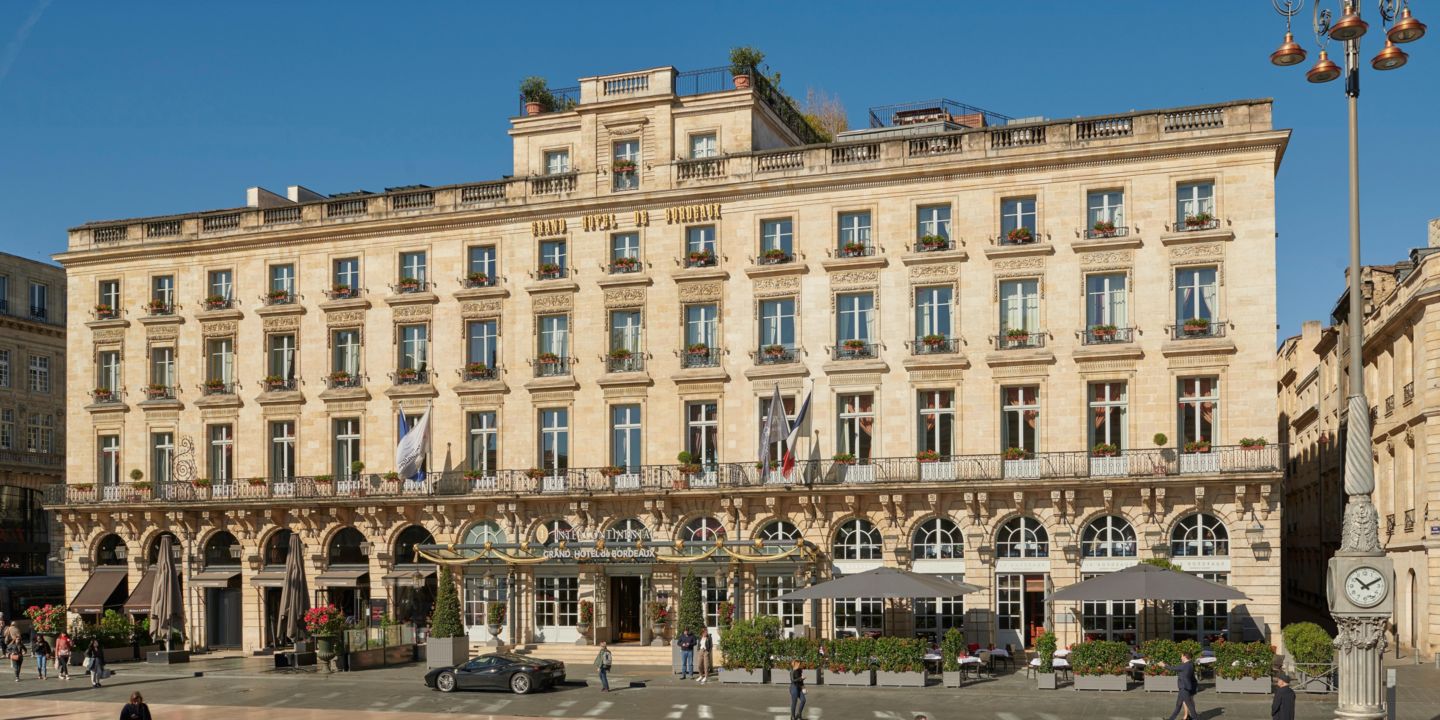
pixel 774 351
pixel 216 302
pixel 622 165
pixel 1243 667
pixel 158 307
pixel 746 644
pixel 1162 658
pixel 537 96
pixel 277 297
pixel 950 648
pixel 1312 651
pixel 743 63
pixel 1045 674
pixel 854 249
pixel 1100 665
pixel 1196 326
pixel 341 291
pixel 104 312
pixel 843 458
pixel 447 644
pixel 933 342
pixel 624 263
pixel 409 285
pixel 548 358
pixel 931 243
pixel 1102 228
pixel 849 662
pixel 1253 443
pixel 1198 220
pixel 698 349
pixel 1103 333
pixel 927 456
pixel 900 662
pixel 1020 236
pixel 548 271
pixel 687 465
pixel 774 256
pixel 1017 336
pixel 700 258
pixel 1197 447
pixel 806 650
pixel 477 279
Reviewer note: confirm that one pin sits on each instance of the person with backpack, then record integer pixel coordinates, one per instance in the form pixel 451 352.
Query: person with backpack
pixel 42 651
pixel 95 662
pixel 15 650
pixel 136 709
pixel 64 647
pixel 602 663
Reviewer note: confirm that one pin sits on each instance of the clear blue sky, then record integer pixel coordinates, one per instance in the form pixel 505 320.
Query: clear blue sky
pixel 129 109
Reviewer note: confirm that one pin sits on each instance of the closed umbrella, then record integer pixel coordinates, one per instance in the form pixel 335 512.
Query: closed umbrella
pixel 167 611
pixel 294 595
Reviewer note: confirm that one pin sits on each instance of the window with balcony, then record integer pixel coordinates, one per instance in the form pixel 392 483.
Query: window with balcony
pixel 701 323
pixel 1196 295
pixel 414 360
pixel 777 330
pixel 557 162
pixel 703 145
pixel 221 461
pixel 777 241
pixel 855 426
pixel 1199 413
pixel 702 432
pixel 345 444
pixel 552 260
pixel 481 269
pixel 39 374
pixel 220 289
pixel 1018 220
pixel 625 164
pixel 625 437
pixel 344 357
pixel 345 278
pixel 109 461
pixel 700 250
pixel 1020 314
pixel 162 456
pixel 1019 421
pixel 1109 406
pixel 280 362
pixel 107 374
pixel 933 332
pixel 484 443
pixel 4 368
pixel 41 435
pixel 162 294
pixel 854 238
pixel 625 253
pixel 39 301
pixel 1106 316
pixel 282 450
pixel 1195 206
pixel 107 299
pixel 932 228
pixel 1105 214
pixel 936 429
pixel 282 284
pixel 482 349
pixel 220 364
pixel 553 351
pixel 787 406
pixel 414 271
pixel 855 331
pixel 555 440
pixel 625 336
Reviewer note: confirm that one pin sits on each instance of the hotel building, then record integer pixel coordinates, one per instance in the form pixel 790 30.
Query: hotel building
pixel 995 321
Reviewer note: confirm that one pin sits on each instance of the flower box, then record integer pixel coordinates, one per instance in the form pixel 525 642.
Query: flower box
pixel 1103 332
pixel 698 349
pixel 548 359
pixel 775 351
pixel 477 279
pixel 1103 228
pixel 854 249
pixel 774 256
pixel 745 677
pixel 1020 235
pixel 409 285
pixel 932 243
pixel 1044 681
pixel 864 678
pixel 885 678
pixel 1257 686
pixel 1102 682
pixel 1198 221
pixel 341 292
pixel 623 166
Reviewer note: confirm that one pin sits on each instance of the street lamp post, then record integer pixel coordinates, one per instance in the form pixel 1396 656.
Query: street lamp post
pixel 1360 577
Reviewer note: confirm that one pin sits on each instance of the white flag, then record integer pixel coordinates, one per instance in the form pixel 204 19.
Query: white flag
pixel 774 428
pixel 411 449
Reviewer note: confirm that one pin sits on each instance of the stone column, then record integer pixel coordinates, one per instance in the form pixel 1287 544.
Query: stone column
pixel 1360 646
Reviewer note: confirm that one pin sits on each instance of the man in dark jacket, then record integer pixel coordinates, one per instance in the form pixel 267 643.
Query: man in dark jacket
pixel 1282 706
pixel 686 641
pixel 1188 686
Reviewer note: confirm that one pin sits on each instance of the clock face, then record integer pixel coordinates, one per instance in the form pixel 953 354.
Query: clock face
pixel 1365 586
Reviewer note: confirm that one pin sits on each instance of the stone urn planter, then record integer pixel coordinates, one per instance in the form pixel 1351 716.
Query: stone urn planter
pixel 745 677
pixel 1258 686
pixel 886 678
pixel 494 631
pixel 446 652
pixel 1045 681
pixel 657 635
pixel 325 650
pixel 1118 683
pixel 865 678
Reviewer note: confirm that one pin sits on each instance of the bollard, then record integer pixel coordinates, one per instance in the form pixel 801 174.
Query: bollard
pixel 1390 693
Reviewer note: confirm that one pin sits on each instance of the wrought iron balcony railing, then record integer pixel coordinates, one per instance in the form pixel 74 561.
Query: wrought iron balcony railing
pixel 552 366
pixel 479 372
pixel 411 376
pixel 628 363
pixel 1107 334
pixel 106 396
pixel 1409 392
pixel 552 271
pixel 935 345
pixel 1185 330
pixel 1011 340
pixel 932 243
pixel 279 384
pixel 855 350
pixel 1194 223
pixel 1105 233
pixel 1410 520
pixel 855 250
pixel 280 297
pixel 218 387
pixel 700 357
pixel 157 391
pixel 342 379
pixel 776 355
pixel 1389 406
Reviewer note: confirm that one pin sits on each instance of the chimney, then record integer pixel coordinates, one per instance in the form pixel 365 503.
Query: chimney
pixel 300 193
pixel 258 197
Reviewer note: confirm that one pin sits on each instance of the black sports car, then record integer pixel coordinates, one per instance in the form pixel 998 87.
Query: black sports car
pixel 498 671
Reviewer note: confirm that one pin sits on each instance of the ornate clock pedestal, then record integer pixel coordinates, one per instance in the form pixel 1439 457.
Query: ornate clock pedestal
pixel 1359 584
pixel 1359 647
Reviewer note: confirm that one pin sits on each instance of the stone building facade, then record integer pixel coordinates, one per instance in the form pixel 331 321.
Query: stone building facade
pixel 971 306
pixel 1402 353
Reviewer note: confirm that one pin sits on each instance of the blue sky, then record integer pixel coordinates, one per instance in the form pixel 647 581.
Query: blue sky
pixel 128 109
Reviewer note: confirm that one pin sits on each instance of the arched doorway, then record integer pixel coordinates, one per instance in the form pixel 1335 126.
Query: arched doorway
pixel 219 582
pixel 412 579
pixel 346 580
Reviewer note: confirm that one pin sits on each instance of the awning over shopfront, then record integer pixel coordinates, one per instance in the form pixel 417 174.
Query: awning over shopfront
pixel 98 589
pixel 213 578
pixel 139 601
pixel 341 578
pixel 268 578
pixel 414 576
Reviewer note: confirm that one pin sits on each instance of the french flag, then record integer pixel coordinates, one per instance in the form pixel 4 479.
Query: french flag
pixel 788 464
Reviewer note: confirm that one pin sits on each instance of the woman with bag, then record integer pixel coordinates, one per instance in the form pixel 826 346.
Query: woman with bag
pixel 136 709
pixel 15 650
pixel 63 649
pixel 95 662
pixel 42 655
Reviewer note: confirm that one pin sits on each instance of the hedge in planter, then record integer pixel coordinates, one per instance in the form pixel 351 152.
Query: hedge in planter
pixel 747 652
pixel 900 662
pixel 806 650
pixel 1243 667
pixel 1045 674
pixel 950 648
pixel 1162 658
pixel 448 645
pixel 849 662
pixel 1313 652
pixel 1100 665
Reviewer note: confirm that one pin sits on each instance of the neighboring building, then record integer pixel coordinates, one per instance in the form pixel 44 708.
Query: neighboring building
pixel 660 262
pixel 32 428
pixel 1402 344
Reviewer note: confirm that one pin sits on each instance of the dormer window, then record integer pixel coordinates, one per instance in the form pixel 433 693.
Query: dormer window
pixel 557 162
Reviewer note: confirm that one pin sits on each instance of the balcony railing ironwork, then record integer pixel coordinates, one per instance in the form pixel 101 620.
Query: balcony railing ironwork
pixel 106 396
pixel 283 384
pixel 701 259
pixel 634 362
pixel 159 308
pixel 217 387
pixel 700 357
pixel 1195 224
pixel 1107 335
pixel 776 355
pixel 935 345
pixel 932 244
pixel 552 366
pixel 1031 339
pixel 159 392
pixel 1408 393
pixel 850 250
pixel 479 372
pixel 625 264
pixel 280 297
pixel 559 272
pixel 1118 231
pixel 1211 329
pixel 411 376
pixel 855 350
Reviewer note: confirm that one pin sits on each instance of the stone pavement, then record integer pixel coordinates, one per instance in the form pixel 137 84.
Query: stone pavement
pixel 245 689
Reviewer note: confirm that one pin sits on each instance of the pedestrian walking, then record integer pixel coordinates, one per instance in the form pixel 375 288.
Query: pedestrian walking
pixel 12 633
pixel 702 646
pixel 602 663
pixel 64 647
pixel 15 650
pixel 797 690
pixel 42 655
pixel 95 662
pixel 686 642
pixel 1282 705
pixel 136 709
pixel 1187 686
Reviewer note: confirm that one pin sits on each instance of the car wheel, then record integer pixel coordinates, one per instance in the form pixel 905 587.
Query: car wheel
pixel 445 682
pixel 520 683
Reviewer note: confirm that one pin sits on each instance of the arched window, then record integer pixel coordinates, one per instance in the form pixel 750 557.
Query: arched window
pixel 222 549
pixel 1022 537
pixel 483 532
pixel 106 553
pixel 277 547
pixel 153 555
pixel 857 540
pixel 1108 536
pixel 938 539
pixel 1199 535
pixel 345 548
pixel 627 531
pixel 703 529
pixel 406 542
pixel 779 536
pixel 552 531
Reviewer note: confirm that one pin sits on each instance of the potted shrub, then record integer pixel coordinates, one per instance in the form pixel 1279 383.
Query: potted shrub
pixel 104 312
pixel 688 465
pixel 1160 462
pixel 747 656
pixel 356 468
pixel 155 390
pixel 1312 651
pixel 274 382
pixel 743 61
pixel 900 662
pixel 622 165
pixel 1196 326
pixel 1243 667
pixel 391 476
pixel 201 482
pixel 803 649
pixel 548 358
pixel 621 354
pixel 698 258
pixel 1045 674
pixel 774 256
pixel 849 662
pixel 157 307
pixel 340 291
pixel 324 479
pixel 927 456
pixel 951 645
pixel 495 621
pixel 216 302
pixel 549 270
pixel 256 481
pixel 1016 453
pixel 1017 336
pixel 1103 228
pixel 1162 658
pixel 215 386
pixel 407 373
pixel 1100 665
pixel 476 370
pixel 409 284
pixel 931 243
pixel 659 618
pixel 447 644
pixel 339 377
pixel 1198 220
pixel 1103 332
pixel 624 263
pixel 1253 443
pixel 1104 450
pixel 612 470
pixel 104 394
pixel 844 458
pixel 1197 447
pixel 853 249
pixel 933 341
pixel 536 93
pixel 1020 235
pixel 853 345
pixel 278 296
pixel 477 279
pixel 698 349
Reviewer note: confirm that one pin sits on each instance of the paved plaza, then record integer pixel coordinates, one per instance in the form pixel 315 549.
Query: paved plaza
pixel 243 689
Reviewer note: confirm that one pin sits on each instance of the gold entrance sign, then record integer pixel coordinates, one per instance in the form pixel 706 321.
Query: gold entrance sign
pixel 692 213
pixel 543 228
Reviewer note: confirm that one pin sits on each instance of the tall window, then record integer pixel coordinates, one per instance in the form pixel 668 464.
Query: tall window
pixel 625 330
pixel 932 311
pixel 855 319
pixel 1205 619
pixel 625 245
pixel 1105 206
pixel 700 239
pixel 857 539
pixel 109 461
pixel 1105 300
pixel 282 279
pixel 554 334
pixel 854 229
pixel 703 145
pixel 480 261
pixel 777 235
pixel 1108 537
pixel 855 434
pixel 1022 537
pixel 220 360
pixel 162 366
pixel 39 374
pixel 282 356
pixel 1199 535
pixel 557 162
pixel 858 615
pixel 4 368
pixel 162 290
pixel 346 446
pixel 1108 407
pixel 478 596
pixel 413 267
pixel 625 442
pixel 414 347
pixel 770 587
pixel 7 429
pixel 108 375
pixel 555 439
pixel 936 430
pixel 222 453
pixel 162 456
pixel 1194 199
pixel 347 274
pixel 787 405
pixel 109 294
pixel 1199 410
pixel 4 294
pixel 482 342
pixel 282 450
pixel 222 285
pixel 1195 293
pixel 484 443
pixel 700 324
pixel 557 601
pixel 1114 620
pixel 932 221
pixel 552 252
pixel 39 301
pixel 626 153
pixel 777 322
pixel 935 616
pixel 1020 417
pixel 1019 305
pixel 702 431
pixel 345 351
pixel 713 591
pixel 1016 213
pixel 938 539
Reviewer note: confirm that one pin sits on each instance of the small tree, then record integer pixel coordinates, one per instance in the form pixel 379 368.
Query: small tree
pixel 445 623
pixel 744 60
pixel 692 612
pixel 1161 562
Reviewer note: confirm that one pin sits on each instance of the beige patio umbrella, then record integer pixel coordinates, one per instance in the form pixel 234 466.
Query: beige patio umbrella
pixel 167 609
pixel 294 595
